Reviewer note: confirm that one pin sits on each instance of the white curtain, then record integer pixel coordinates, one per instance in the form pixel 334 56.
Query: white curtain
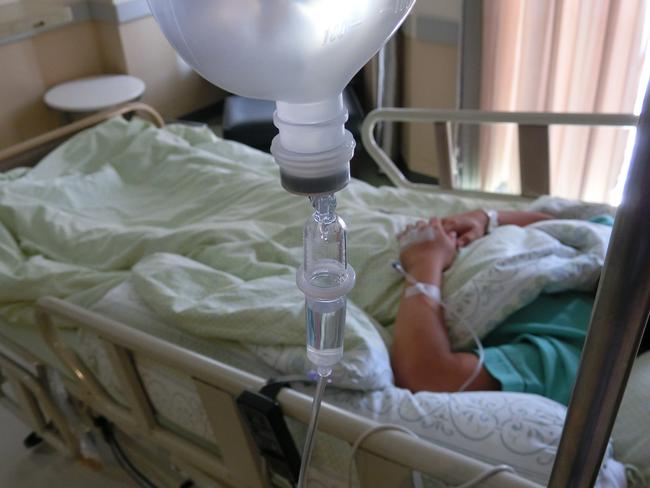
pixel 561 56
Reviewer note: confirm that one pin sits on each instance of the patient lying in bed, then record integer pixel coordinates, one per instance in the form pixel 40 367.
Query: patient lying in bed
pixel 535 350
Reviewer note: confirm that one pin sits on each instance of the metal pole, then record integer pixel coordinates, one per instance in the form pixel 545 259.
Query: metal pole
pixel 617 324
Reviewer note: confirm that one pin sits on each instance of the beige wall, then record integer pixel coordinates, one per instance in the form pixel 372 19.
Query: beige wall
pixel 111 47
pixel 30 66
pixel 430 81
pixel 172 87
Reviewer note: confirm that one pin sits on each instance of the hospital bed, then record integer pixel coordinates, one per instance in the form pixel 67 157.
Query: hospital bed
pixel 133 374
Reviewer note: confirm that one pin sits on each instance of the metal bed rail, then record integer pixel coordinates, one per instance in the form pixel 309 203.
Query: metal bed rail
pixel 387 457
pixel 25 153
pixel 533 143
pixel 31 400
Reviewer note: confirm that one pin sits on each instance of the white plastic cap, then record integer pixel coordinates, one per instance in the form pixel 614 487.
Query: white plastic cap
pixel 311 127
pixel 313 149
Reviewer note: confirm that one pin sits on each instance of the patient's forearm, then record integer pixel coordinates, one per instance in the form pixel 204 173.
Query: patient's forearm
pixel 421 354
pixel 521 219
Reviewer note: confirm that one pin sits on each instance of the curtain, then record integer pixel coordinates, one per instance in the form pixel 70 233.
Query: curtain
pixel 561 56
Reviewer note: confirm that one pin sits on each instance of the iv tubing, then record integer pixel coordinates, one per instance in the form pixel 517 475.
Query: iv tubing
pixel 325 278
pixel 323 374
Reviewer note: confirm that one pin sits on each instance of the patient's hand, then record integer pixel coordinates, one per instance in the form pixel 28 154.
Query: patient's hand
pixel 469 226
pixel 438 251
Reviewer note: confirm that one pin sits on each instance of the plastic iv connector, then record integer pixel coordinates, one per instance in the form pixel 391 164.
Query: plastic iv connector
pixel 325 278
pixel 299 53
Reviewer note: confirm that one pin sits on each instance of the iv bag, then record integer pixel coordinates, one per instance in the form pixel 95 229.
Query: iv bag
pixel 296 51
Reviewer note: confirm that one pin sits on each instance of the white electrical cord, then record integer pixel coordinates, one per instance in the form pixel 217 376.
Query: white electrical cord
pixel 311 430
pixel 435 298
pixel 417 477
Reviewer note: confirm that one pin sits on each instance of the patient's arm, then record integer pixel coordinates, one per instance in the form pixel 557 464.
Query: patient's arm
pixel 472 225
pixel 421 355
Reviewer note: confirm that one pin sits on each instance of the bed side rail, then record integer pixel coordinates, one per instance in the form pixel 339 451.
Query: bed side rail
pixel 533 142
pixel 137 417
pixel 27 152
pixel 388 454
pixel 32 402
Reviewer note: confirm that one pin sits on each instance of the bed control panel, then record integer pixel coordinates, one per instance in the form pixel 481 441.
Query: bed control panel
pixel 265 421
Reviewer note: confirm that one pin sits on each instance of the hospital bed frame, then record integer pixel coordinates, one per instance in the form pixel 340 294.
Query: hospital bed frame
pixel 387 457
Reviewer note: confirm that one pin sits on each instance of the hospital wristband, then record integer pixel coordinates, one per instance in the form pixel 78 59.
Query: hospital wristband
pixel 426 289
pixel 493 220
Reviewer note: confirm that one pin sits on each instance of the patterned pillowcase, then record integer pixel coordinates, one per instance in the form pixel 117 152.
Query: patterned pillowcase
pixel 506 270
pixel 518 429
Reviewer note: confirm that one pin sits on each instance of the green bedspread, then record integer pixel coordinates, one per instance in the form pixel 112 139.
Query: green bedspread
pixel 206 234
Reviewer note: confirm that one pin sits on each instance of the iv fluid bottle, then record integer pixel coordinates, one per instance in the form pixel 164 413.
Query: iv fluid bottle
pixel 299 53
pixel 325 278
pixel 295 51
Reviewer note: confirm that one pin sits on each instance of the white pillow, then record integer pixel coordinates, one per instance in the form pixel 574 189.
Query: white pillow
pixel 506 270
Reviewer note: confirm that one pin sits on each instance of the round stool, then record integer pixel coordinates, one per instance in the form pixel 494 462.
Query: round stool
pixel 93 94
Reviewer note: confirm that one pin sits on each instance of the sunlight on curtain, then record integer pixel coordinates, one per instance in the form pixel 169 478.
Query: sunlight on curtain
pixel 562 56
pixel 616 195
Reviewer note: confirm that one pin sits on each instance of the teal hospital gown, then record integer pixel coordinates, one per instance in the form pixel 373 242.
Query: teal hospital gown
pixel 537 349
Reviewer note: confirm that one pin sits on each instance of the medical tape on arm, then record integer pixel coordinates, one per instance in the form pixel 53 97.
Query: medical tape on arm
pixel 426 289
pixel 433 293
pixel 415 236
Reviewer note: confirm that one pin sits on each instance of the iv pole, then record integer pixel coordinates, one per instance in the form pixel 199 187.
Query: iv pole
pixel 618 320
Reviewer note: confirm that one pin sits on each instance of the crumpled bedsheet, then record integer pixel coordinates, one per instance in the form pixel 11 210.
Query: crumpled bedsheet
pixel 212 243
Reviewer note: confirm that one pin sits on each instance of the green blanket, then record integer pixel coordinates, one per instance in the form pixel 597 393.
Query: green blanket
pixel 207 235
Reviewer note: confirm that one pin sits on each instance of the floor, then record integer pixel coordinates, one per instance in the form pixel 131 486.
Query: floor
pixel 42 466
